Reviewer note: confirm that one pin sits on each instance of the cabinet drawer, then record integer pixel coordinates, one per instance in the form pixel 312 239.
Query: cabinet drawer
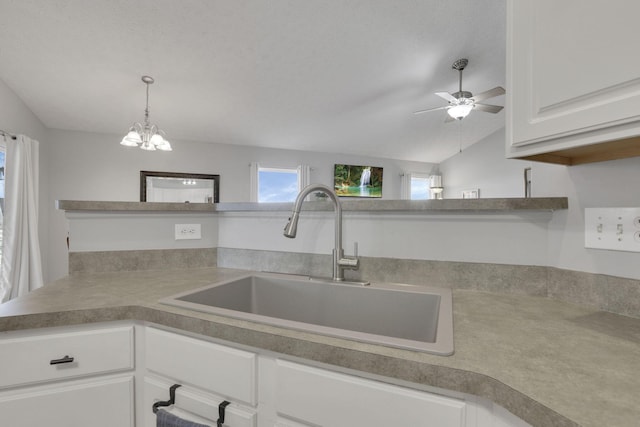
pixel 107 402
pixel 326 398
pixel 215 368
pixel 193 405
pixel 32 359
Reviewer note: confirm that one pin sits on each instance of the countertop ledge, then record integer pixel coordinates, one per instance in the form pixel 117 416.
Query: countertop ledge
pixel 548 362
pixel 493 205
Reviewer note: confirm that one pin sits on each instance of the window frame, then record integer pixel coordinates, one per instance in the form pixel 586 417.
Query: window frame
pixel 302 175
pixel 407 184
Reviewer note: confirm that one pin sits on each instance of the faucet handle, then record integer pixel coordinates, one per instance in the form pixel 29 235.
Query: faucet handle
pixel 350 262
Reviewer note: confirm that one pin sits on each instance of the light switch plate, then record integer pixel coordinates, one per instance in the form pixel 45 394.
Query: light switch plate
pixel 188 231
pixel 616 229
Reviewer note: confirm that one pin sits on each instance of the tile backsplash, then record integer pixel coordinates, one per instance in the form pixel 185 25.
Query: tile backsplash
pixel 607 293
pixel 156 259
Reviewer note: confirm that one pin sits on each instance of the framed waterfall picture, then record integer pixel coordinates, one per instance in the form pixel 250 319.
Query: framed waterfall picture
pixel 357 181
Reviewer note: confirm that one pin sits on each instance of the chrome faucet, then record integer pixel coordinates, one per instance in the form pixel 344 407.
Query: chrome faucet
pixel 340 261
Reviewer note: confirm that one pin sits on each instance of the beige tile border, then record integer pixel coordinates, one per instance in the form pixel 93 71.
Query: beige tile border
pixel 157 259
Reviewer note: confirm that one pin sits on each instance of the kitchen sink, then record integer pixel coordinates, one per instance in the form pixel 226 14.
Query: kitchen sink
pixel 404 316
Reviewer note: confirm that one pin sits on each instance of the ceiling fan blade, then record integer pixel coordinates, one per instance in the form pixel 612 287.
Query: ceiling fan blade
pixel 430 109
pixel 446 96
pixel 496 91
pixel 488 108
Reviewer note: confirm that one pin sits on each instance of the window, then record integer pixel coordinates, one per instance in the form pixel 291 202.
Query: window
pixel 416 186
pixel 277 185
pixel 272 185
pixel 419 187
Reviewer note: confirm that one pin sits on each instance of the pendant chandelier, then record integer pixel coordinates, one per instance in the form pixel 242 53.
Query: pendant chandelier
pixel 146 135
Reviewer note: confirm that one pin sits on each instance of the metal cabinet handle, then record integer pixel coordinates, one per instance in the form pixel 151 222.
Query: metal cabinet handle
pixel 65 359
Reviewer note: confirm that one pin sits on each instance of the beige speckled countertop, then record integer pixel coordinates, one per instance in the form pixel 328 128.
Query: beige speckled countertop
pixel 548 362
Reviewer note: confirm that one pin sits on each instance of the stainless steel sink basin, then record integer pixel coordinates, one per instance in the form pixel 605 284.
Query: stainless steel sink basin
pixel 404 316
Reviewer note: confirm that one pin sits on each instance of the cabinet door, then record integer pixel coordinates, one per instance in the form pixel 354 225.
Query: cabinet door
pixel 212 367
pixel 572 76
pixel 193 405
pixel 97 403
pixel 324 398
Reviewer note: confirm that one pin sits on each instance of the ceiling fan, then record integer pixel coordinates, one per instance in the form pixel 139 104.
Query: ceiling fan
pixel 462 102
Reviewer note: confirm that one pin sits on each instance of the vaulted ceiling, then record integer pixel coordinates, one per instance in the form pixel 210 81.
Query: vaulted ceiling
pixel 340 76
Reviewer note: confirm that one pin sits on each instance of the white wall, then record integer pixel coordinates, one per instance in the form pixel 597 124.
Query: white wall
pixel 89 166
pixel 101 231
pixel 486 238
pixel 604 184
pixel 16 118
pixel 476 168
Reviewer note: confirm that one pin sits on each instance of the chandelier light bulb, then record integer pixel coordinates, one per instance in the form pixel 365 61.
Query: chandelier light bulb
pixel 165 146
pixel 132 139
pixel 156 140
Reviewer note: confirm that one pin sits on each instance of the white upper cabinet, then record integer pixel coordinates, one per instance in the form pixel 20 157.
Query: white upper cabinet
pixel 573 80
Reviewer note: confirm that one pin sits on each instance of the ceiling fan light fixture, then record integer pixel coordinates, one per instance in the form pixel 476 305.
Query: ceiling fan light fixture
pixel 462 102
pixel 146 135
pixel 460 111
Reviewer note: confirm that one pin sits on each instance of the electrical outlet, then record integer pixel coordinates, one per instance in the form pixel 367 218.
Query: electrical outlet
pixel 612 228
pixel 188 232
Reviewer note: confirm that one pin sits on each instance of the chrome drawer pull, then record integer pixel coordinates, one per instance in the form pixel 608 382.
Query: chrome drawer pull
pixel 65 359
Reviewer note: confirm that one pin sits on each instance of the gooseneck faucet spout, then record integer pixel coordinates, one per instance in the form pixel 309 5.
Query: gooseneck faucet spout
pixel 340 262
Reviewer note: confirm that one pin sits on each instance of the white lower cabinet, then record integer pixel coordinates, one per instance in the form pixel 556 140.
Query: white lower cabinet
pixel 95 403
pixel 309 396
pixel 84 376
pixel 295 394
pixel 67 377
pixel 267 392
pixel 193 404
pixel 208 374
pixel 209 366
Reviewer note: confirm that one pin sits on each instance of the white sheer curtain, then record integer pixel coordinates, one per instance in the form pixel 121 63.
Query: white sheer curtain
pixel 21 269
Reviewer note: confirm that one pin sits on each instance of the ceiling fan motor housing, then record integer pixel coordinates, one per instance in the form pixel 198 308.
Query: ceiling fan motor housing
pixel 460 64
pixel 462 94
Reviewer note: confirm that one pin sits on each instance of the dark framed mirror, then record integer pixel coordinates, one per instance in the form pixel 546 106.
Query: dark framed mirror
pixel 178 187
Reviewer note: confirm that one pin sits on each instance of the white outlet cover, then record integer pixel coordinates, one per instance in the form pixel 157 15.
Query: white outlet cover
pixel 612 228
pixel 188 231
